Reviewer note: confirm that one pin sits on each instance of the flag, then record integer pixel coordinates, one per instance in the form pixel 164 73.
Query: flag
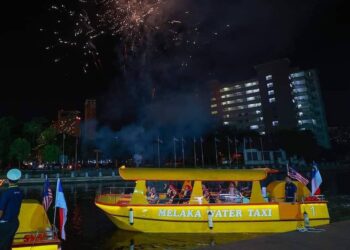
pixel 292 173
pixel 316 180
pixel 62 207
pixel 47 195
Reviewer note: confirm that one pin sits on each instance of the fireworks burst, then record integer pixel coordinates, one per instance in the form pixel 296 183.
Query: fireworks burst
pixel 77 39
pixel 132 20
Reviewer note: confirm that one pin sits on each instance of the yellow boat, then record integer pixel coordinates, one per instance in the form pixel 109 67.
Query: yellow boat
pixel 35 230
pixel 253 214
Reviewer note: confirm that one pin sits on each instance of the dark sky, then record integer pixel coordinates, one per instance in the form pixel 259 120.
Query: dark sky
pixel 226 39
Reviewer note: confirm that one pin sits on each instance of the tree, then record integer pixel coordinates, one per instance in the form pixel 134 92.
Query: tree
pixel 48 136
pixel 51 153
pixel 20 150
pixel 33 129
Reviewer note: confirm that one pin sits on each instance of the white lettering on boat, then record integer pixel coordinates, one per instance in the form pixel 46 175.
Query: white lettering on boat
pixel 220 213
pixel 260 212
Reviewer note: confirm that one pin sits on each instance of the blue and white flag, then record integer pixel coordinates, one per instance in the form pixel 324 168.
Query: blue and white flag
pixel 316 180
pixel 62 207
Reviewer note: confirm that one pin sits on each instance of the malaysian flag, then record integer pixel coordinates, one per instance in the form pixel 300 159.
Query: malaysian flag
pixel 47 195
pixel 292 173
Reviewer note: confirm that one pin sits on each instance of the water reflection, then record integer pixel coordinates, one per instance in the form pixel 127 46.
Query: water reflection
pixel 89 228
pixel 123 240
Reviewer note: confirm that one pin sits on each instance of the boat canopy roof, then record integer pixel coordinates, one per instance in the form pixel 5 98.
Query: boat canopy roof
pixel 182 174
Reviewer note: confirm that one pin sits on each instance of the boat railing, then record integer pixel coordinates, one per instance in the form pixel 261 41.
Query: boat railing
pixel 50 235
pixel 114 195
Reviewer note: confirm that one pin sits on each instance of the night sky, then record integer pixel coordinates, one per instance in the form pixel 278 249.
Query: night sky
pixel 214 40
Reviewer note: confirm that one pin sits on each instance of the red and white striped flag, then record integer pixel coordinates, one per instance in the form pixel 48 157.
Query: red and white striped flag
pixel 47 195
pixel 292 173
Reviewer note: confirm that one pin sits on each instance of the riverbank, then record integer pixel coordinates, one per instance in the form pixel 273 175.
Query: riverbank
pixel 334 235
pixel 30 181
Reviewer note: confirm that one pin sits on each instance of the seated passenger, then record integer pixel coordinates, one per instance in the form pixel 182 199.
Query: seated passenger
pixel 172 194
pixel 234 194
pixel 186 195
pixel 207 195
pixel 153 198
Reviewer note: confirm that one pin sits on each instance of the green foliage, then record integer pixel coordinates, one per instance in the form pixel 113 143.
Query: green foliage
pixel 20 150
pixel 33 129
pixel 51 153
pixel 48 136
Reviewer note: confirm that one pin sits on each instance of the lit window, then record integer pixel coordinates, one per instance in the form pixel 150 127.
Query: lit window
pixel 274 123
pixel 269 85
pixel 226 123
pixel 299 90
pixel 271 92
pixel 254 127
pixel 251 91
pixel 271 100
pixel 261 118
pixel 258 111
pixel 253 105
pixel 213 105
pixel 298 82
pixel 252 98
pixel 213 99
pixel 262 132
pixel 237 87
pixel 297 74
pixel 268 77
pixel 250 84
pixel 302 97
pixel 227 116
pixel 301 113
pixel 226 89
pixel 299 106
pixel 214 112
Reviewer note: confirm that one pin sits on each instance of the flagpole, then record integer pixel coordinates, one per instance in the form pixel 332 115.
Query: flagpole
pixel 262 150
pixel 236 152
pixel 174 152
pixel 183 151
pixel 229 151
pixel 202 152
pixel 54 208
pixel 194 151
pixel 216 153
pixel 158 141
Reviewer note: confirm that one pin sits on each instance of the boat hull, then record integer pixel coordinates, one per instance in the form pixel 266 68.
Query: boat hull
pixel 228 218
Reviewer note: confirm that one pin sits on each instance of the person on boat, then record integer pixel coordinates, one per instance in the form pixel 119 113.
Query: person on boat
pixel 10 205
pixel 290 190
pixel 186 195
pixel 153 197
pixel 234 194
pixel 207 195
pixel 172 194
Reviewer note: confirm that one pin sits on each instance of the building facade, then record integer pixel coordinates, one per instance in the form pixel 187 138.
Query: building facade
pixel 280 97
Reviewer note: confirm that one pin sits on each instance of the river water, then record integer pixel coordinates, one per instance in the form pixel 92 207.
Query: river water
pixel 89 228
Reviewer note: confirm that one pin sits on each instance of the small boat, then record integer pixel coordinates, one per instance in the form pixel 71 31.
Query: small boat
pixel 251 213
pixel 35 231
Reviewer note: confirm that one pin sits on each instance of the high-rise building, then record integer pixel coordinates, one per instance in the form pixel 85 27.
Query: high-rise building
pixel 239 104
pixel 278 98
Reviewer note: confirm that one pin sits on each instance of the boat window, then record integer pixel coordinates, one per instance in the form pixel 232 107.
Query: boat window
pixel 227 192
